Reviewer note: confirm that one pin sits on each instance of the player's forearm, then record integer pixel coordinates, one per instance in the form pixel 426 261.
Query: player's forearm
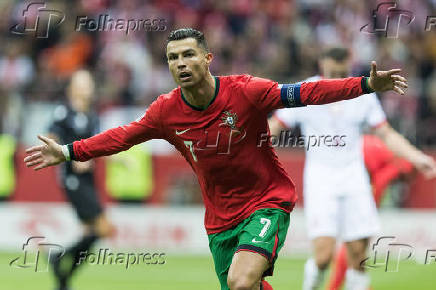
pixel 399 145
pixel 333 90
pixel 107 143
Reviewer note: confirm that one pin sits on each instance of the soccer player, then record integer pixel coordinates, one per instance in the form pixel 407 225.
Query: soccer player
pixel 72 122
pixel 215 122
pixel 383 168
pixel 337 193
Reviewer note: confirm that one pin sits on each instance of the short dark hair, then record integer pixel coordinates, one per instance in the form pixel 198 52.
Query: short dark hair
pixel 183 33
pixel 336 53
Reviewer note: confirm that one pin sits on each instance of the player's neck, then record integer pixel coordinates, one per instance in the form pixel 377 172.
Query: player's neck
pixel 201 94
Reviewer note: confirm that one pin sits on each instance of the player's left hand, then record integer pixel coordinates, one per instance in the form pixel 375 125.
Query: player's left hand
pixel 381 81
pixel 426 165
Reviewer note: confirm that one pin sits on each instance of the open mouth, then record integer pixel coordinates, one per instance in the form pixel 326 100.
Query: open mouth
pixel 185 76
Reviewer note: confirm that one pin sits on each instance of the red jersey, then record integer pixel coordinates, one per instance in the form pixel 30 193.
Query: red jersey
pixel 238 173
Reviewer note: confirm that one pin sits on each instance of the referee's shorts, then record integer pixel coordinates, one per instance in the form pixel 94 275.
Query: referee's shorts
pixel 81 192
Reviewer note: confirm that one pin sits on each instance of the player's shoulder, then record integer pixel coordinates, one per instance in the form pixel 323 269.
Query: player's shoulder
pixel 167 98
pixel 235 78
pixel 234 81
pixel 242 79
pixel 164 102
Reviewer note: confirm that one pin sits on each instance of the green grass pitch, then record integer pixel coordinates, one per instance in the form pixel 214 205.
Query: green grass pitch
pixel 194 272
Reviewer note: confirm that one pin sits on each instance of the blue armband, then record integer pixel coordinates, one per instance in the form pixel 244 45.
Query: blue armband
pixel 290 95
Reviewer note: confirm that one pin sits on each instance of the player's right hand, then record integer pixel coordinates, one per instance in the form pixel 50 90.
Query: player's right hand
pixel 426 165
pixel 45 155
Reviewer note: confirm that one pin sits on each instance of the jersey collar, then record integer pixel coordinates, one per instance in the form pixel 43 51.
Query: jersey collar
pixel 217 88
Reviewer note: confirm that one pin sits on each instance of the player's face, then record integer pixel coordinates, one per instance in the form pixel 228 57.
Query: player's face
pixel 332 69
pixel 81 91
pixel 187 62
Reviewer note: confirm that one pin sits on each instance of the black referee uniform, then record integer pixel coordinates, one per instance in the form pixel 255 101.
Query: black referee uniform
pixel 69 126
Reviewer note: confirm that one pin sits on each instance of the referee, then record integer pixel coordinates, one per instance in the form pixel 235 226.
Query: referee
pixel 76 121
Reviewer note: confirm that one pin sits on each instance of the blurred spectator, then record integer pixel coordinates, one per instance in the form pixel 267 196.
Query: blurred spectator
pixel 16 72
pixel 16 68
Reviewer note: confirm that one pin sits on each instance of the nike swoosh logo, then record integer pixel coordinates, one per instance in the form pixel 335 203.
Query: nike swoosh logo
pixel 183 131
pixel 256 241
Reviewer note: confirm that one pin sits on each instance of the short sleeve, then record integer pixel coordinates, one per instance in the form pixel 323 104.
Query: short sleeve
pixel 268 95
pixel 374 115
pixel 151 120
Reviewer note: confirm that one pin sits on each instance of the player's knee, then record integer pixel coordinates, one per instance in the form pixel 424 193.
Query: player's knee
pixel 242 279
pixel 324 251
pixel 243 282
pixel 106 230
pixel 323 259
pixel 357 248
pixel 356 258
pixel 103 227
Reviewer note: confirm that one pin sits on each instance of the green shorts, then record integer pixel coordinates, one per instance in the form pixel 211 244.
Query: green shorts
pixel 263 232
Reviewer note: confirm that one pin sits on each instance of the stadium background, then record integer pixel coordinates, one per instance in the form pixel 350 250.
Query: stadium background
pixel 159 209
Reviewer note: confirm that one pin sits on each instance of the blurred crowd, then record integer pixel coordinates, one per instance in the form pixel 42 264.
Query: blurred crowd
pixel 277 39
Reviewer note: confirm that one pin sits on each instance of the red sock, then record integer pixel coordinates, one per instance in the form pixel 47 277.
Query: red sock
pixel 266 286
pixel 338 274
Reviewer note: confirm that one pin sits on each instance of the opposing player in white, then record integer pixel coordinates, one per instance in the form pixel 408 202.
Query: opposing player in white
pixel 338 201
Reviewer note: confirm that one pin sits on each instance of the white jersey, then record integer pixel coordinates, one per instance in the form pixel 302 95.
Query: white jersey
pixel 338 199
pixel 333 136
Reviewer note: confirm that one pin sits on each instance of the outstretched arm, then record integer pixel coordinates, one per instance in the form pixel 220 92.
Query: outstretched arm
pixel 333 90
pixel 109 142
pixel 402 148
pixel 267 95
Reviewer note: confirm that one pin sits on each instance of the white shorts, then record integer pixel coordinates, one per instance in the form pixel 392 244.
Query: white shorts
pixel 350 217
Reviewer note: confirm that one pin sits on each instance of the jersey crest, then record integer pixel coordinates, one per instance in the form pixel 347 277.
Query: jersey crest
pixel 229 119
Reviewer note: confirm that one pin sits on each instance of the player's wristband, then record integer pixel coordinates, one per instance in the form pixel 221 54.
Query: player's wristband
pixel 366 89
pixel 66 152
pixel 71 150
